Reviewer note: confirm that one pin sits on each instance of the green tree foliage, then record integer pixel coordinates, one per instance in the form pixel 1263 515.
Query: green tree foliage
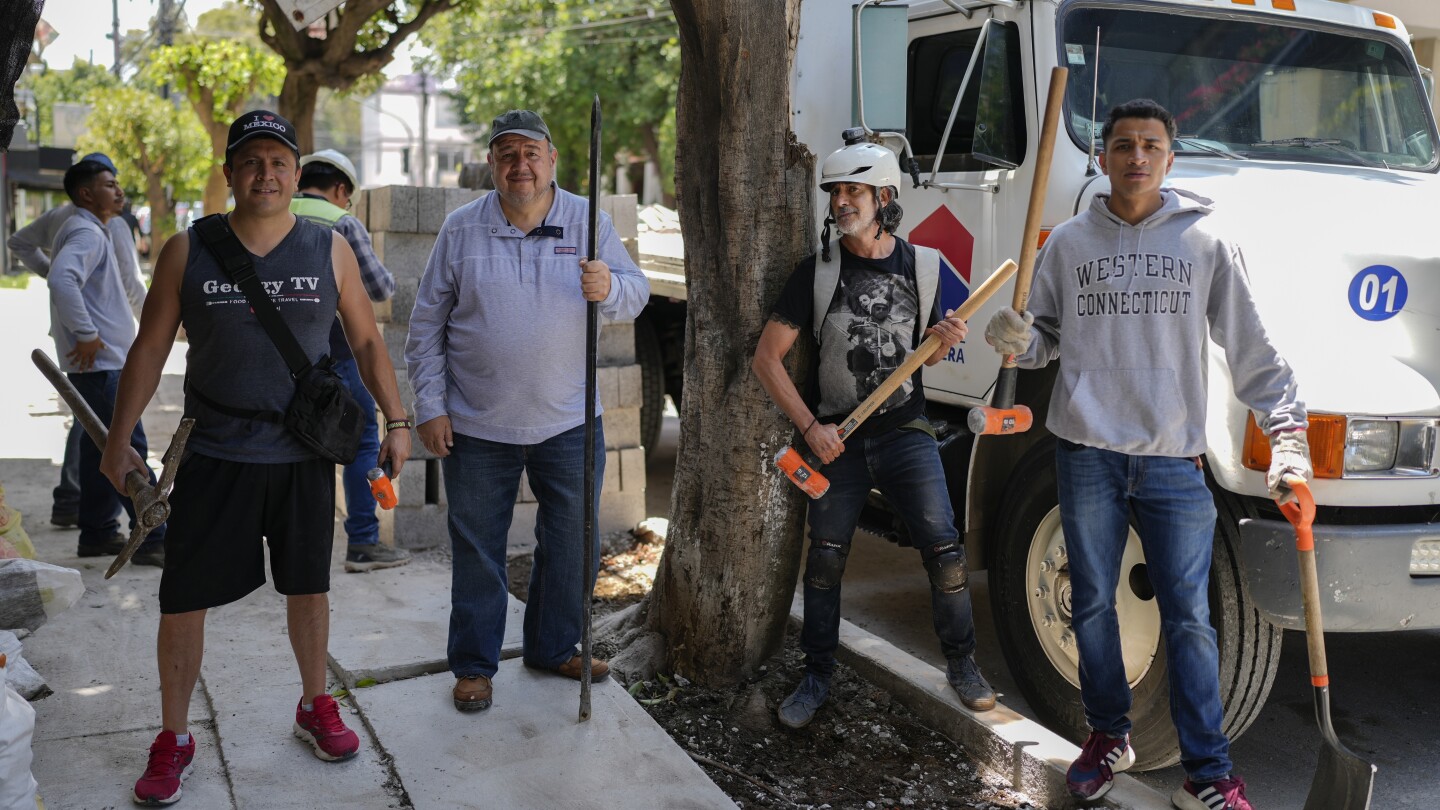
pixel 61 86
pixel 220 78
pixel 553 56
pixel 160 151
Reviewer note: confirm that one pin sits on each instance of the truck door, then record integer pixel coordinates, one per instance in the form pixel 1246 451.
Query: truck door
pixel 966 111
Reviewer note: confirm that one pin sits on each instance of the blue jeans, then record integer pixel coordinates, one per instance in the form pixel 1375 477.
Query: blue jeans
pixel 905 466
pixel 67 495
pixel 362 528
pixel 99 502
pixel 482 479
pixel 1175 514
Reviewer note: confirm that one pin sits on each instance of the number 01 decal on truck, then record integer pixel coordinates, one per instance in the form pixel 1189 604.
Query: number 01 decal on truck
pixel 1378 292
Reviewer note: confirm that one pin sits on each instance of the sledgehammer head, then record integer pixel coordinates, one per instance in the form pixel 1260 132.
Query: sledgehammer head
pixel 987 421
pixel 799 471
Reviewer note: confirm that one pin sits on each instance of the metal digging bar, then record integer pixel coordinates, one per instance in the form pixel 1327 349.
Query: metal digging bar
pixel 592 328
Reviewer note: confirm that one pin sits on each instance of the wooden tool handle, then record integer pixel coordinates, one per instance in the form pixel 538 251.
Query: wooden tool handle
pixel 1036 211
pixel 918 357
pixel 1301 514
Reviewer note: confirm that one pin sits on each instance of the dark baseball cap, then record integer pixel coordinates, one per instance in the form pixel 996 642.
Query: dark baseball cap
pixel 261 124
pixel 101 158
pixel 520 122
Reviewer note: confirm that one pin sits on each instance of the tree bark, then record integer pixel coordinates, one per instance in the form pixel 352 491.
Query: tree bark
pixel 725 583
pixel 216 189
pixel 298 98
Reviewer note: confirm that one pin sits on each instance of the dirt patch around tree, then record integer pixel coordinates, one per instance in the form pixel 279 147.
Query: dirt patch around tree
pixel 864 750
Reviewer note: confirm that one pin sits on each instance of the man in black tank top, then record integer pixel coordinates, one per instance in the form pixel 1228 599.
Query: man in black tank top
pixel 247 479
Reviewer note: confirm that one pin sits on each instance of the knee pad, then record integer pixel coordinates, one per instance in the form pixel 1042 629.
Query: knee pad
pixel 945 563
pixel 825 564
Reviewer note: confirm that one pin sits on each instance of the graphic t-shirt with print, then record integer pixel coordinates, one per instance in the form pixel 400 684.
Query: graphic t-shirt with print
pixel 870 329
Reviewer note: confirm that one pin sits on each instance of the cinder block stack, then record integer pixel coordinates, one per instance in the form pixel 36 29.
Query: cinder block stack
pixel 403 221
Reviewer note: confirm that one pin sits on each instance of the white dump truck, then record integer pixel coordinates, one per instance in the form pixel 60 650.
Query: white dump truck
pixel 1309 123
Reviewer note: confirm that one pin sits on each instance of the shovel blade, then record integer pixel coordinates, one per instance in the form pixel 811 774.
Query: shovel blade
pixel 1343 781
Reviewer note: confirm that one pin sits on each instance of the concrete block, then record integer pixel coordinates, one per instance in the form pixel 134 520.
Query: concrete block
pixel 395 338
pixel 521 752
pixel 617 343
pixel 403 254
pixel 632 468
pixel 403 302
pixel 630 387
pixel 456 197
pixel 421 527
pixel 621 511
pixel 521 539
pixel 430 209
pixel 360 207
pixel 624 214
pixel 622 427
pixel 393 208
pixel 411 485
pixel 611 482
pixel 632 247
pixel 382 311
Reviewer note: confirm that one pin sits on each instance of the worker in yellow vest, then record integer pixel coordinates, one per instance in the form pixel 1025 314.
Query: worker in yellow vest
pixel 327 184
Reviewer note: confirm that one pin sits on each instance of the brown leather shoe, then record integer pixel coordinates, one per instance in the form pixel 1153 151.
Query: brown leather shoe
pixel 472 694
pixel 599 670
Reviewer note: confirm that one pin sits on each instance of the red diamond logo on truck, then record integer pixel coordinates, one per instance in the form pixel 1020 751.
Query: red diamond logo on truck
pixel 944 232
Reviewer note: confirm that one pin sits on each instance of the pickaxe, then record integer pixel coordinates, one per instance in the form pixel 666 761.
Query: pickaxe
pixel 803 468
pixel 152 504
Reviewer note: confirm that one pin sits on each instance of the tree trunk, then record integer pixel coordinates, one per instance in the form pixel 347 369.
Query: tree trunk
pixel 724 587
pixel 298 98
pixel 216 189
pixel 162 212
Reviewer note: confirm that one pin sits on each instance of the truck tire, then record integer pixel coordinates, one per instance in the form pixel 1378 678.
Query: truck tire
pixel 652 382
pixel 1030 598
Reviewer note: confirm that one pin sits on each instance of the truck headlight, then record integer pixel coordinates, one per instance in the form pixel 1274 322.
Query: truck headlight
pixel 1358 447
pixel 1370 445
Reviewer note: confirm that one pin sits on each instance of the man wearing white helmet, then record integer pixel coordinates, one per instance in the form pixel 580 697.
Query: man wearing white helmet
pixel 868 307
pixel 327 183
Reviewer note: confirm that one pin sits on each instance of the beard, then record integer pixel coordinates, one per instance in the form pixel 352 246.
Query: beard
pixel 856 225
pixel 520 199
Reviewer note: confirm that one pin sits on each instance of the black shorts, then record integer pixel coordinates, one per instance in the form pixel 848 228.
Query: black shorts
pixel 220 510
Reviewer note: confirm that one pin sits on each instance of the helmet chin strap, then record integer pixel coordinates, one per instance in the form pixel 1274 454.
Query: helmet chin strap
pixel 825 238
pixel 879 229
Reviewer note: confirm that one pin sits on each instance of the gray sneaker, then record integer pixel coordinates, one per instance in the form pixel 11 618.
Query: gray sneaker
pixel 965 678
pixel 799 709
pixel 374 556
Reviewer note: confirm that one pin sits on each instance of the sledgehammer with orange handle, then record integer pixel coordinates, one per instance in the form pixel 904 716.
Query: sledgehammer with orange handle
pixel 1002 415
pixel 803 468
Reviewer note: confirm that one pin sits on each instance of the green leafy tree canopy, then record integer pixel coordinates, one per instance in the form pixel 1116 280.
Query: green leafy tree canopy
pixel 60 86
pixel 221 75
pixel 553 56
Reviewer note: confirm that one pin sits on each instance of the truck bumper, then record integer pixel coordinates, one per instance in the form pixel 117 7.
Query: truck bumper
pixel 1365 581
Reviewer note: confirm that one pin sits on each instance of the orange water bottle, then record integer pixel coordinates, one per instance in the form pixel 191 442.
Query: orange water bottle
pixel 380 487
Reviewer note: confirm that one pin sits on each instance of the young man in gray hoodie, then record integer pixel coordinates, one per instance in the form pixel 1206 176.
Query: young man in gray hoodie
pixel 1134 284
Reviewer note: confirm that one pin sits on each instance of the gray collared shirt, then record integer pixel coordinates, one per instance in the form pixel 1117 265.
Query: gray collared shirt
pixel 497 336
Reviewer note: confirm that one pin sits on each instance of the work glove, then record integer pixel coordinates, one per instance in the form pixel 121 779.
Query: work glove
pixel 1009 331
pixel 1289 455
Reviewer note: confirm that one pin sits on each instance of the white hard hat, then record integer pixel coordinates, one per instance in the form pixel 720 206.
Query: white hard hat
pixel 868 163
pixel 333 158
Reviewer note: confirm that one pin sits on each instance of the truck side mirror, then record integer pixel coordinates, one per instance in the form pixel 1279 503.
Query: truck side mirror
pixel 878 67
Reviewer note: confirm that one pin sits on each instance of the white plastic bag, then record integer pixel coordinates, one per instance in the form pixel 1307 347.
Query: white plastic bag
pixel 21 676
pixel 17 727
pixel 32 591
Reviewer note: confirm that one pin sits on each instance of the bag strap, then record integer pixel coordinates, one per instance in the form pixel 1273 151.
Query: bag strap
pixel 235 261
pixel 827 276
pixel 927 281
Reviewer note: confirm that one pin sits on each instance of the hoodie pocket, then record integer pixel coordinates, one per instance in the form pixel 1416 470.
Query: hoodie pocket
pixel 1128 407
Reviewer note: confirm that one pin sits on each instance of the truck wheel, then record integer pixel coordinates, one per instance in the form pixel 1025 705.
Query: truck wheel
pixel 652 382
pixel 1030 598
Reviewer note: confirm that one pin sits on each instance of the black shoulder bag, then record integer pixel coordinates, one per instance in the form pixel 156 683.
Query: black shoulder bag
pixel 322 414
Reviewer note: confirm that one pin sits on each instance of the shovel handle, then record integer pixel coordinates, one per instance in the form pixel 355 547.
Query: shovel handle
pixel 1301 514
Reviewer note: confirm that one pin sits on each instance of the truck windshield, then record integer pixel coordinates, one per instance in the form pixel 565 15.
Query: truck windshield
pixel 1251 89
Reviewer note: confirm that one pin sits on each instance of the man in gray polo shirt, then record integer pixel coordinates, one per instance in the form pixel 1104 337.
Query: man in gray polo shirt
pixel 497 359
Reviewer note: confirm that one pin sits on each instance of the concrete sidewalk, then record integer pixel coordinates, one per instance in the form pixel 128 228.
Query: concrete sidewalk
pixel 526 751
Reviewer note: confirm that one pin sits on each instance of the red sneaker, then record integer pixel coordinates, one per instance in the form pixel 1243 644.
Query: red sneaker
pixel 325 731
pixel 169 765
